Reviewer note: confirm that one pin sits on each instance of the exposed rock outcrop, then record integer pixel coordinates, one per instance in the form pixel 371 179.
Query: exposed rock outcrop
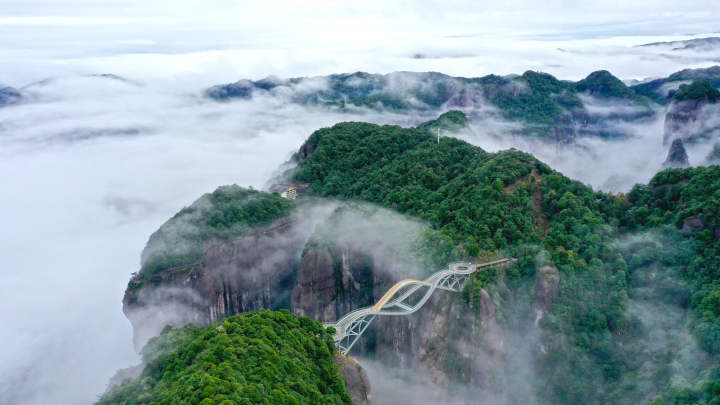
pixel 547 286
pixel 332 282
pixel 694 113
pixel 693 224
pixel 691 120
pixel 242 89
pixel 677 156
pixel 713 158
pixel 252 272
pixel 356 380
pixel 9 95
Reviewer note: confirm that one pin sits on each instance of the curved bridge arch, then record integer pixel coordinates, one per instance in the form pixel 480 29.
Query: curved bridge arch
pixel 395 302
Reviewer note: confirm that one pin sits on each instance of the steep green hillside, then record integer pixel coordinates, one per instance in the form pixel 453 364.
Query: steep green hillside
pixel 637 275
pixel 226 212
pixel 699 89
pixel 690 200
pixel 540 104
pixel 538 98
pixel 603 84
pixel 255 358
pixel 450 121
pixel 596 346
pixel 480 199
pixel 658 92
pixel 485 201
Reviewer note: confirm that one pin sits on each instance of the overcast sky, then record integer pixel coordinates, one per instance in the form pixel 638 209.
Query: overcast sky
pixel 227 39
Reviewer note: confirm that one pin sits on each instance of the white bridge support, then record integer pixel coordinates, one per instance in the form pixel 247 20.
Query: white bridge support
pixel 350 327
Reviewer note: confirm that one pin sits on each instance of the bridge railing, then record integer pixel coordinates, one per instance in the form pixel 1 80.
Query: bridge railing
pixel 351 326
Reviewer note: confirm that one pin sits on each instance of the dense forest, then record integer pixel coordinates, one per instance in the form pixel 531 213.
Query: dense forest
pixel 540 104
pixel 511 202
pixel 699 89
pixel 265 357
pixel 657 246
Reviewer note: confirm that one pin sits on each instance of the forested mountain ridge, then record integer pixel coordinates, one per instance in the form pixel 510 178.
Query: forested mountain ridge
pixel 662 90
pixel 534 104
pixel 588 262
pixel 579 238
pixel 541 105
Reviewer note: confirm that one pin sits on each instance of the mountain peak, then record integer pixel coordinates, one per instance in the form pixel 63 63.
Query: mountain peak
pixel 602 83
pixel 677 156
pixel 698 90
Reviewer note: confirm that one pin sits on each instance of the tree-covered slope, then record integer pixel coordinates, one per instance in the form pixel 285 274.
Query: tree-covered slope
pixel 698 90
pixel 658 89
pixel 490 201
pixel 450 121
pixel 538 103
pixel 255 358
pixel 637 285
pixel 484 200
pixel 596 347
pixel 690 200
pixel 226 212
pixel 603 84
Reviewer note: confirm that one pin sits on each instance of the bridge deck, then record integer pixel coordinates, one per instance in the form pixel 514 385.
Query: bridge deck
pixel 389 294
pixel 349 328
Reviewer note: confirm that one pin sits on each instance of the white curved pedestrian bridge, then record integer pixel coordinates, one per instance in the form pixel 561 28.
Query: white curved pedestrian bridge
pixel 401 299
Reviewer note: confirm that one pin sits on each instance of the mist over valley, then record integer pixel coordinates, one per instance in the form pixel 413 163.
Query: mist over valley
pixel 146 169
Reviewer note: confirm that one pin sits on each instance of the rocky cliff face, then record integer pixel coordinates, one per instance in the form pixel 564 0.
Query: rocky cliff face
pixel 691 120
pixel 459 343
pixel 474 344
pixel 332 282
pixel 713 158
pixel 356 380
pixel 252 272
pixel 452 339
pixel 677 156
pixel 547 286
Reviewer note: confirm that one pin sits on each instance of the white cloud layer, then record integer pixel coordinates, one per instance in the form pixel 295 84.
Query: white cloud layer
pixel 232 39
pixel 91 166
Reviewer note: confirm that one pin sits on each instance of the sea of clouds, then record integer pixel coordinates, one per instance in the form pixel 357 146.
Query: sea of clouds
pixel 91 165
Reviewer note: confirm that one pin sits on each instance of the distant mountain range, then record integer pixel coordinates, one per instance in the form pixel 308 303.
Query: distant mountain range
pixel 541 105
pixel 9 95
pixel 534 105
pixel 704 44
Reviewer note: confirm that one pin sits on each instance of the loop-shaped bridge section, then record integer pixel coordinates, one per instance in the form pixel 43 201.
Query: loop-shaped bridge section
pixel 398 300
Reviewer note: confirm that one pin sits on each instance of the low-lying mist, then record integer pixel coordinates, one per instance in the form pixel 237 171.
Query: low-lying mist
pixel 92 165
pixel 606 164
